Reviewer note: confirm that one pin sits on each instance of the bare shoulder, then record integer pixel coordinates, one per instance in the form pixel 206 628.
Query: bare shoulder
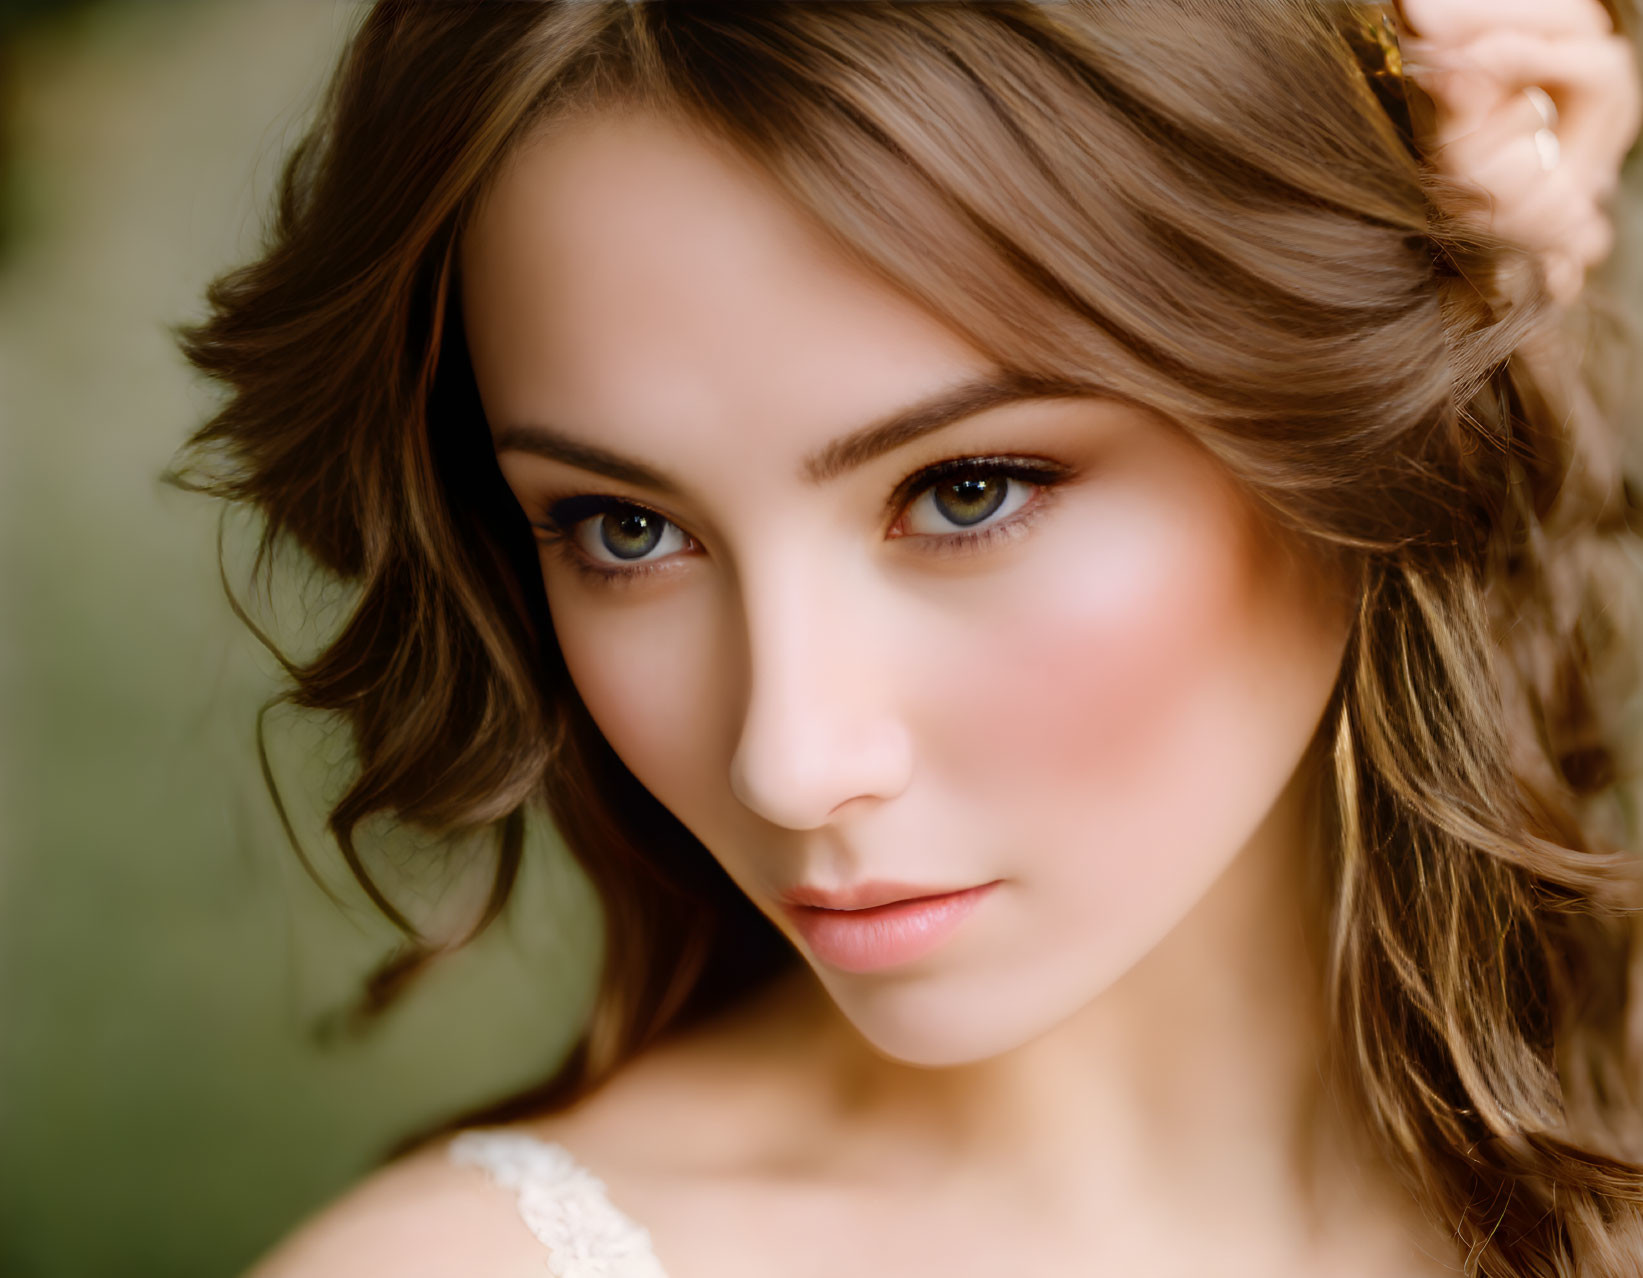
pixel 683 1133
pixel 422 1216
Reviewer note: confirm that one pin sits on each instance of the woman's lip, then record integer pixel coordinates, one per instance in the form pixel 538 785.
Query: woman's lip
pixel 863 896
pixel 881 936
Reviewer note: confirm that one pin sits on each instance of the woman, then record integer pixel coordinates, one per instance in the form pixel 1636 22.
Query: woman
pixel 1051 564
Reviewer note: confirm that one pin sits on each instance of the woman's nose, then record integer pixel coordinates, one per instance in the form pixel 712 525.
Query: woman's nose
pixel 821 725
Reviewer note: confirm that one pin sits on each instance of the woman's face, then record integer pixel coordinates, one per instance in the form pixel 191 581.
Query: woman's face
pixel 865 622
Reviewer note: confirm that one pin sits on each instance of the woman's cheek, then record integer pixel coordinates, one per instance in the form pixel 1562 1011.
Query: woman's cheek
pixel 644 669
pixel 1076 660
pixel 1136 696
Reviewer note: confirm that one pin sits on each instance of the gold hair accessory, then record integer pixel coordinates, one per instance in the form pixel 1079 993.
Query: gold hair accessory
pixel 1372 32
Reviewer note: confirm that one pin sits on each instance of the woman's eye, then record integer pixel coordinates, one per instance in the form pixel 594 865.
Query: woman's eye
pixel 970 502
pixel 953 505
pixel 625 535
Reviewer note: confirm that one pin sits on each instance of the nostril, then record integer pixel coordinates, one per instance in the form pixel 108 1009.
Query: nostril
pixel 821 722
pixel 814 770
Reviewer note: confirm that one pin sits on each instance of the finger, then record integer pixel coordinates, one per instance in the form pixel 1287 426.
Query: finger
pixel 1589 238
pixel 1457 21
pixel 1516 115
pixel 1565 277
pixel 1566 266
pixel 1593 83
pixel 1574 71
pixel 1465 98
pixel 1525 202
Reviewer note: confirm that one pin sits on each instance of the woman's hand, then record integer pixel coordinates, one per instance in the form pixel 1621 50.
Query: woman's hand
pixel 1538 102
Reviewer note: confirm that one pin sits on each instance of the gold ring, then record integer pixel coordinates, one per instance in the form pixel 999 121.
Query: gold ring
pixel 1547 145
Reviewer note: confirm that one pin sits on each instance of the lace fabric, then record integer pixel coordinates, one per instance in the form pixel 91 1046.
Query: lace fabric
pixel 563 1204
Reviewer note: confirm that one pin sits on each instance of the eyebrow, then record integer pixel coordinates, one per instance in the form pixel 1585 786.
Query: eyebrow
pixel 898 428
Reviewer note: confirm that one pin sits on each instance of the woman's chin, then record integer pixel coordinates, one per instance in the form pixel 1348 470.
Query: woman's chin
pixel 937 1023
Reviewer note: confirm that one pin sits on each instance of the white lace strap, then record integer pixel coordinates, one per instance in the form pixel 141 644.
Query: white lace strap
pixel 563 1204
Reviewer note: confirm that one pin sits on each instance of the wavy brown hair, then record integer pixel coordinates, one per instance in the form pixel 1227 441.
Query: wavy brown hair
pixel 1210 208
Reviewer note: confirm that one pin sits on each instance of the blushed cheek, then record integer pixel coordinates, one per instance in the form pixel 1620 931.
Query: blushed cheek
pixel 1083 682
pixel 1148 693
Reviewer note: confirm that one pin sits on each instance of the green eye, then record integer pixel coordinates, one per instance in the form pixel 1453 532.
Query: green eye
pixel 629 534
pixel 614 533
pixel 969 501
pixel 956 505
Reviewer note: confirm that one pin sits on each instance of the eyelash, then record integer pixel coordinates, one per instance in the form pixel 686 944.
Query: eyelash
pixel 1044 475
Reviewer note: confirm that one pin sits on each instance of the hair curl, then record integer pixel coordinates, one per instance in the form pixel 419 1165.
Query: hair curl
pixel 1185 204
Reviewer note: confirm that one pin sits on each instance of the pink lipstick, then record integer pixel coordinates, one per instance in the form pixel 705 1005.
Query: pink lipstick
pixel 879 925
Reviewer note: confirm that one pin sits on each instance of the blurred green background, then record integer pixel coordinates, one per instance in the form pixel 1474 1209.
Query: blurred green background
pixel 165 1108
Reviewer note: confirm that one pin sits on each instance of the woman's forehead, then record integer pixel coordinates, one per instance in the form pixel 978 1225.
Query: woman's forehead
pixel 628 277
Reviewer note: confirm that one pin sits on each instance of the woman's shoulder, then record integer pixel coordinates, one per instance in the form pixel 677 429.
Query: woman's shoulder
pixel 425 1215
pixel 647 1148
pixel 480 1203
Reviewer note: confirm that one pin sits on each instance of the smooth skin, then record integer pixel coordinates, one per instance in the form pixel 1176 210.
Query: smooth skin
pixel 1085 668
